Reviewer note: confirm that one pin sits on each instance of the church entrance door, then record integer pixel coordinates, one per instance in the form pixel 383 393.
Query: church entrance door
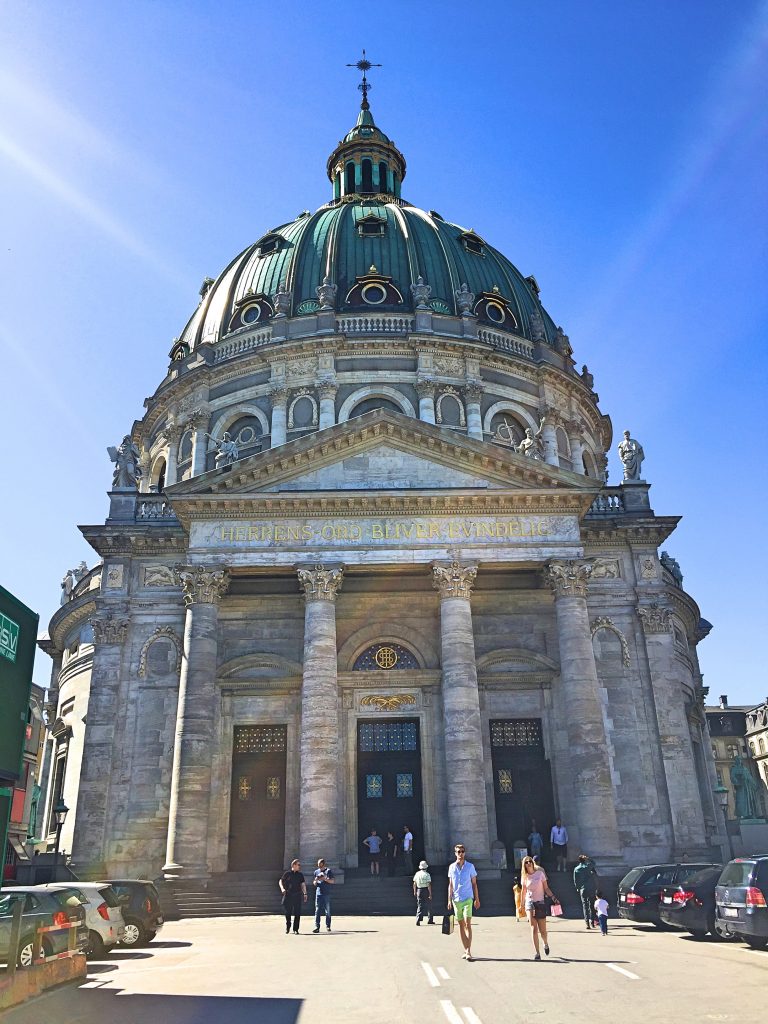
pixel 522 781
pixel 389 783
pixel 257 817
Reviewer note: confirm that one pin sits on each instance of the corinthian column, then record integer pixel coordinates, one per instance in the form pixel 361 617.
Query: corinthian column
pixel 473 393
pixel 186 852
pixel 589 766
pixel 327 391
pixel 89 847
pixel 467 808
pixel 173 436
pixel 279 427
pixel 319 816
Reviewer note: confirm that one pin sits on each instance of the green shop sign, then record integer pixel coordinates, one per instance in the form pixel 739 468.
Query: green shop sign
pixel 9 637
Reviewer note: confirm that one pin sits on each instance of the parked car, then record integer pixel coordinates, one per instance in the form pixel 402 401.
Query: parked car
pixel 103 914
pixel 691 903
pixel 42 908
pixel 639 890
pixel 141 910
pixel 741 898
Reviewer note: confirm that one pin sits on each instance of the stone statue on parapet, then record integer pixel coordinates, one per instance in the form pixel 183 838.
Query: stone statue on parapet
pixel 747 797
pixel 71 578
pixel 537 326
pixel 672 566
pixel 421 293
pixel 326 294
pixel 531 446
pixel 227 450
pixel 127 468
pixel 465 300
pixel 632 455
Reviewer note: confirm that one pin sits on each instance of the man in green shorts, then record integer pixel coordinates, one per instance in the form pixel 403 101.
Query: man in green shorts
pixel 462 896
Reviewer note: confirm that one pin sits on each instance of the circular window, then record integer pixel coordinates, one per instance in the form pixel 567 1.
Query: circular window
pixel 251 314
pixel 495 312
pixel 386 657
pixel 374 294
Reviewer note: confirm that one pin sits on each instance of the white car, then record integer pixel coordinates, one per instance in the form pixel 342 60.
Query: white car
pixel 103 914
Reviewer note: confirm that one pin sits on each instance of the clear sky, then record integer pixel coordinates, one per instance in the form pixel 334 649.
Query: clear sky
pixel 615 150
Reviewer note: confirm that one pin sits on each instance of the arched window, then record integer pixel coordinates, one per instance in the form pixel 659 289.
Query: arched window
pixel 246 432
pixel 383 187
pixel 761 745
pixel 505 429
pixel 385 657
pixel 337 185
pixel 731 750
pixel 563 449
pixel 349 176
pixel 367 174
pixel 369 404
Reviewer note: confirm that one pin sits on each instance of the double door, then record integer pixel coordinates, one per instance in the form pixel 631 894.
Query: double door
pixel 522 781
pixel 257 810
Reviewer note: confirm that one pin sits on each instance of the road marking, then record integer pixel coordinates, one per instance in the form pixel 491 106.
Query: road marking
pixel 451 1012
pixel 627 974
pixel 471 1016
pixel 431 976
pixel 443 974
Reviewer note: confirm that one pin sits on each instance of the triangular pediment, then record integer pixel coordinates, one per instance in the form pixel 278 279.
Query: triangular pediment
pixel 381 454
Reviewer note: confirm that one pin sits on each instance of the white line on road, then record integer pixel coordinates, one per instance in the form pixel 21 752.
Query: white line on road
pixel 431 976
pixel 471 1016
pixel 627 974
pixel 443 974
pixel 451 1012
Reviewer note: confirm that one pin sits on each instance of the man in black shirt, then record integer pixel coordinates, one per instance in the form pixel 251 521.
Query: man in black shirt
pixel 294 890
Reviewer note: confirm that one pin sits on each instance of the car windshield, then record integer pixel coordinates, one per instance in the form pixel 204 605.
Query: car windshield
pixel 6 903
pixel 629 880
pixel 736 873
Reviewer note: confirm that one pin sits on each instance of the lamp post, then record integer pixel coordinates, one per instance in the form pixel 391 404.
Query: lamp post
pixel 60 812
pixel 722 798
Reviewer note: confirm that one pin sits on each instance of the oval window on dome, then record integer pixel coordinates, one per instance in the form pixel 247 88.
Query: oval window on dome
pixel 496 312
pixel 374 294
pixel 251 314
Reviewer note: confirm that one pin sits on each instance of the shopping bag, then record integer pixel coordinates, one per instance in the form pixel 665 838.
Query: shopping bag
pixel 448 923
pixel 557 910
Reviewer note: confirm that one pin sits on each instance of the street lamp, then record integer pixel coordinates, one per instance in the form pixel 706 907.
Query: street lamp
pixel 60 812
pixel 722 798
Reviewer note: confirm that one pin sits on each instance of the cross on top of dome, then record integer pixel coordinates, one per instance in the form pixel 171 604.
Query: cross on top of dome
pixel 364 65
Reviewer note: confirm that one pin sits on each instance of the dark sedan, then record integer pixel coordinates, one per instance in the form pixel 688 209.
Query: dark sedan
pixel 639 890
pixel 741 898
pixel 691 903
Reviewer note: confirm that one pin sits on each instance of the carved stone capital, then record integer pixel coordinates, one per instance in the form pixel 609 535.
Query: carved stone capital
pixel 201 584
pixel 197 419
pixel 425 387
pixel 454 580
pixel 173 433
pixel 319 583
pixel 327 389
pixel 109 629
pixel 569 577
pixel 278 393
pixel 655 618
pixel 473 391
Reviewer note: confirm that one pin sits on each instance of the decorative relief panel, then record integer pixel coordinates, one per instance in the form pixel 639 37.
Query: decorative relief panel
pixel 655 618
pixel 648 569
pixel 606 569
pixel 158 576
pixel 109 629
pixel 114 577
pixel 384 702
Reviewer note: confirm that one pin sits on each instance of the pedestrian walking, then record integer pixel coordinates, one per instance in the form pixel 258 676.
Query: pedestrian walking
pixel 601 909
pixel 463 896
pixel 535 886
pixel 373 842
pixel 422 890
pixel 390 852
pixel 293 886
pixel 558 840
pixel 535 842
pixel 322 880
pixel 408 849
pixel 585 883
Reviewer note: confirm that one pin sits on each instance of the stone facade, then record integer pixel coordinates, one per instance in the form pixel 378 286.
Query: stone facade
pixel 389 565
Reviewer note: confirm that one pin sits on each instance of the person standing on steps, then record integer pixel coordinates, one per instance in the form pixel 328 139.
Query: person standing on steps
pixel 463 896
pixel 293 886
pixel 535 887
pixel 585 882
pixel 535 842
pixel 323 880
pixel 408 849
pixel 390 852
pixel 558 840
pixel 422 890
pixel 373 842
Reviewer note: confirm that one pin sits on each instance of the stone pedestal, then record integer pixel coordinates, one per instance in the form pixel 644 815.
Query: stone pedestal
pixel 89 853
pixel 319 813
pixel 473 393
pixel 279 428
pixel 186 852
pixel 467 807
pixel 589 764
pixel 636 497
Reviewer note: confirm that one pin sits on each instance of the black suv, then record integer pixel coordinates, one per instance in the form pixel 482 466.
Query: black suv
pixel 142 912
pixel 741 898
pixel 640 889
pixel 691 904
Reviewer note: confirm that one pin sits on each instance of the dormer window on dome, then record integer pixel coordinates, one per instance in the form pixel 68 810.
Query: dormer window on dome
pixel 252 309
pixel 472 243
pixel 494 309
pixel 268 244
pixel 373 289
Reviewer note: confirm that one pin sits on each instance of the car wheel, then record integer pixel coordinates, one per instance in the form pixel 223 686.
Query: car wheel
pixel 755 941
pixel 134 934
pixel 25 951
pixel 96 948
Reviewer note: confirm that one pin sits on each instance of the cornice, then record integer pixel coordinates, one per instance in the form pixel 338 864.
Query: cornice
pixel 68 616
pixel 626 530
pixel 131 539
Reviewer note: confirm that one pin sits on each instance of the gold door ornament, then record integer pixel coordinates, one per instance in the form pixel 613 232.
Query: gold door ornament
pixel 387 702
pixel 386 657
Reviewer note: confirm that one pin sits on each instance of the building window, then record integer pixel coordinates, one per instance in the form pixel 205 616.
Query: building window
pixel 732 750
pixel 385 736
pixel 719 777
pixel 260 739
pixel 373 787
pixel 405 785
pixel 714 751
pixel 349 178
pixel 385 656
pixel 505 780
pixel 517 732
pixel 761 745
pixel 367 176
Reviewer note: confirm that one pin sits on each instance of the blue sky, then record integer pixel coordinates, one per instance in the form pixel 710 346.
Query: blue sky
pixel 615 150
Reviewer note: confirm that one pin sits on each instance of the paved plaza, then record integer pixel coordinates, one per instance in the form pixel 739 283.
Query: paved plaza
pixel 238 970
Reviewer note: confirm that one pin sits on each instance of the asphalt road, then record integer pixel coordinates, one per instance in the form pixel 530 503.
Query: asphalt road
pixel 380 969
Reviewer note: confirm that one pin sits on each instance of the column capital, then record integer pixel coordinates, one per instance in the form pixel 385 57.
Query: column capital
pixel 109 628
pixel 473 390
pixel 173 433
pixel 327 388
pixel 655 618
pixel 319 583
pixel 425 387
pixel 201 584
pixel 278 392
pixel 197 418
pixel 454 580
pixel 569 577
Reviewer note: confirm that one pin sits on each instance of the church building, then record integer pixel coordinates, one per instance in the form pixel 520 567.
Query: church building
pixel 361 568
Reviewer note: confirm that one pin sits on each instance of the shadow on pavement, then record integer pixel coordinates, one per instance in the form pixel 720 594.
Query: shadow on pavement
pixel 553 959
pixel 100 968
pixel 93 1006
pixel 168 945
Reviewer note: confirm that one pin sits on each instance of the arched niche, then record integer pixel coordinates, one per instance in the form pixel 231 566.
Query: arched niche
pixel 376 391
pixel 378 632
pixel 513 410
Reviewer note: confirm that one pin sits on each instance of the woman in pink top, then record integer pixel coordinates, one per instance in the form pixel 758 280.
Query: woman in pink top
pixel 535 887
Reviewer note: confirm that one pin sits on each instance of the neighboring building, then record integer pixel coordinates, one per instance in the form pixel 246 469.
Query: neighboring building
pixel 26 808
pixel 728 728
pixel 757 738
pixel 373 575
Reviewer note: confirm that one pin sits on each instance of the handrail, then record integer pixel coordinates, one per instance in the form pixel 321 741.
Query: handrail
pixel 381 323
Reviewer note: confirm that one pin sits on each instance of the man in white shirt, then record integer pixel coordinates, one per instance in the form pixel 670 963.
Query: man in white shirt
pixel 558 841
pixel 408 849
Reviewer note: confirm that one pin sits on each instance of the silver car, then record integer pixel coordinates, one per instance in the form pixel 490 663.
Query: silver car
pixel 103 914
